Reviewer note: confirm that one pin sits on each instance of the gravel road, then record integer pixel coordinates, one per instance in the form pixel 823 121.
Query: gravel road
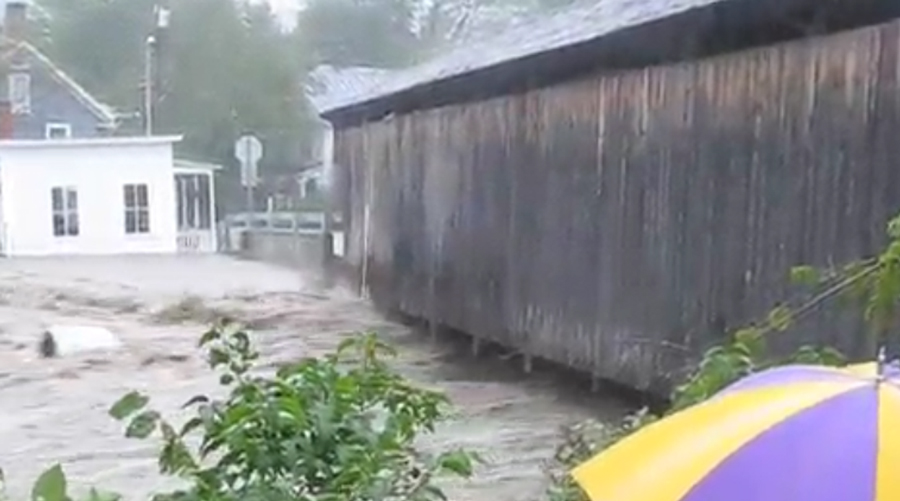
pixel 55 410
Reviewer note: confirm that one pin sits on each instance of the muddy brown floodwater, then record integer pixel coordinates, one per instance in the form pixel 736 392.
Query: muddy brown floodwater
pixel 55 410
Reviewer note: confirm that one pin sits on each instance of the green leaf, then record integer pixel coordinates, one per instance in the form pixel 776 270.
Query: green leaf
pixel 893 229
pixel 190 426
pixel 175 458
pixel 749 337
pixel 199 399
pixel 209 336
pixel 142 425
pixel 128 405
pixel 241 341
pixel 50 486
pixel 804 275
pixel 218 357
pixel 456 462
pixel 167 432
pixel 210 445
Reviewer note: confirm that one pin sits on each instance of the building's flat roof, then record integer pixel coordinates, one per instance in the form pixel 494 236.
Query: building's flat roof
pixel 89 142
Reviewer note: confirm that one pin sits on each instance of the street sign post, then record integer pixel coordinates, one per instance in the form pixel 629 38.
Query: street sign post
pixel 249 150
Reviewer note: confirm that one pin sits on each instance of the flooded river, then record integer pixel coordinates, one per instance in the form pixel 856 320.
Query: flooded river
pixel 55 410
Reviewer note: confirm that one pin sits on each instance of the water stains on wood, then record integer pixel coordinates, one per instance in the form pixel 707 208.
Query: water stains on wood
pixel 621 223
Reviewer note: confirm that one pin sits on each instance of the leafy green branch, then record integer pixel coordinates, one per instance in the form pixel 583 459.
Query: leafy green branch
pixel 333 428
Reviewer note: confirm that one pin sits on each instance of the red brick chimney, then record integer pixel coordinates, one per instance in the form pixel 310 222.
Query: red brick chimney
pixel 15 22
pixel 7 123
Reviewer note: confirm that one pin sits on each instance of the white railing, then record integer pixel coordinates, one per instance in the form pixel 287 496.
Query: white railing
pixel 308 222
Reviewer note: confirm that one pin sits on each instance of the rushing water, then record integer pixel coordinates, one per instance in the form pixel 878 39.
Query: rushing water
pixel 54 410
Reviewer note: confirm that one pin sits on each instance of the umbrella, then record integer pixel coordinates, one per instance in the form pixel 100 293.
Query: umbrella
pixel 793 433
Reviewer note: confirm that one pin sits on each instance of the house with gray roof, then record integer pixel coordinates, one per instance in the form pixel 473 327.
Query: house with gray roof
pixel 43 100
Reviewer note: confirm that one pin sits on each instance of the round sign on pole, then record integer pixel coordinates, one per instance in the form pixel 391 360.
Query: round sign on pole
pixel 248 149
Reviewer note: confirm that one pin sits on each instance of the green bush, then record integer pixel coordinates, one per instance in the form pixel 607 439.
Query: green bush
pixel 336 428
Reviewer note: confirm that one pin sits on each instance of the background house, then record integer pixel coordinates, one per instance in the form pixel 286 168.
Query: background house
pixel 68 185
pixel 44 101
pixel 305 187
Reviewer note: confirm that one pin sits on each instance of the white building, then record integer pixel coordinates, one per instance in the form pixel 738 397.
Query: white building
pixel 114 195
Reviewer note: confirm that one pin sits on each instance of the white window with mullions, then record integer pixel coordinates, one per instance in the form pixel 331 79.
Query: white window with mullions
pixel 19 92
pixel 137 209
pixel 65 211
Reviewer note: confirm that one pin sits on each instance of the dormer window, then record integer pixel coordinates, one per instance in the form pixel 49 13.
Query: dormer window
pixel 58 130
pixel 19 85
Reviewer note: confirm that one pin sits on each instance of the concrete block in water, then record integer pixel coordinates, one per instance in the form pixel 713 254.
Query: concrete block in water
pixel 65 340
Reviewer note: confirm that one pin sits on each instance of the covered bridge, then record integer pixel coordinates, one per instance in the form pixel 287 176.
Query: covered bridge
pixel 617 185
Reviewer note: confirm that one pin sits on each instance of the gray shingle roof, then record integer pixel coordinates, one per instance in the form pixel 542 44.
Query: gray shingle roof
pixel 583 22
pixel 330 86
pixel 98 109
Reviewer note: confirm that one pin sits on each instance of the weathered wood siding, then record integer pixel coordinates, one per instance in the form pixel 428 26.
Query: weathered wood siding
pixel 606 223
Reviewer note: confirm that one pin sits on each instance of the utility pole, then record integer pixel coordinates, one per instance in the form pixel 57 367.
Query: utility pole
pixel 148 84
pixel 152 66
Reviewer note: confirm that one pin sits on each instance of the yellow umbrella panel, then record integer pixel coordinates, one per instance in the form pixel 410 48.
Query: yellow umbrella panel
pixel 794 433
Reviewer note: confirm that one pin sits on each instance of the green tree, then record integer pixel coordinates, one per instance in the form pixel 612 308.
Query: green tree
pixel 235 74
pixel 359 32
pixel 101 44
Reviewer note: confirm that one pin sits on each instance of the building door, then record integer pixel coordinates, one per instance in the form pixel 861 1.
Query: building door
pixel 194 205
